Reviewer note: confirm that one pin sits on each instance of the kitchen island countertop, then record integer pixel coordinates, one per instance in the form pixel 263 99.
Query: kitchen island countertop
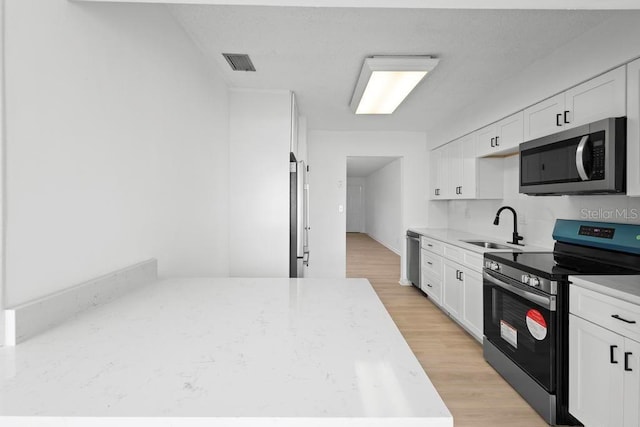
pixel 232 352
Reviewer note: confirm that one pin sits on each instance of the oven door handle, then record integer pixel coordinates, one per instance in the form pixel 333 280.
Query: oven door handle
pixel 547 302
pixel 580 158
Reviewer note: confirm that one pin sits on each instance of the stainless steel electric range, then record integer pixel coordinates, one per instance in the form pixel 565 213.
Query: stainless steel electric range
pixel 526 307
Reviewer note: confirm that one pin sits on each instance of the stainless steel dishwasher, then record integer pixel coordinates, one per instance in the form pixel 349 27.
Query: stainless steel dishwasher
pixel 413 258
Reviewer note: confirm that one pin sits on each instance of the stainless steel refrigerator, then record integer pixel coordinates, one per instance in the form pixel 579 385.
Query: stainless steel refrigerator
pixel 298 217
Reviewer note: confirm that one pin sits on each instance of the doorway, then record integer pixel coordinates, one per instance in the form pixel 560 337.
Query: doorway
pixel 373 202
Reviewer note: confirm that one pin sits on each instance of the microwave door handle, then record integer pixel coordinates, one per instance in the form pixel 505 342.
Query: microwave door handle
pixel 547 302
pixel 580 160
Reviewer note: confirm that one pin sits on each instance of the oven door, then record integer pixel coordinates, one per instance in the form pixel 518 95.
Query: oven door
pixel 521 322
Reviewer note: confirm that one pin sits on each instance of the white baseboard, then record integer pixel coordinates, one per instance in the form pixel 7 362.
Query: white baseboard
pixel 395 251
pixel 32 318
pixel 405 282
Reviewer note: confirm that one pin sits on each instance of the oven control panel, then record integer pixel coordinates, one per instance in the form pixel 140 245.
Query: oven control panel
pixel 530 280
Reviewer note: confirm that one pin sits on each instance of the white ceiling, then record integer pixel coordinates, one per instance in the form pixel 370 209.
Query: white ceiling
pixel 362 167
pixel 318 52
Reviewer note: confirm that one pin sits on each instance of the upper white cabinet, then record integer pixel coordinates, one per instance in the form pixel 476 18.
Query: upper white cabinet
pixel 633 128
pixel 438 168
pixel 502 137
pixel 293 141
pixel 601 97
pixel 458 174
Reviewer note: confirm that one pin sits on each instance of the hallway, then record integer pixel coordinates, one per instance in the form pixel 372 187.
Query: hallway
pixel 474 393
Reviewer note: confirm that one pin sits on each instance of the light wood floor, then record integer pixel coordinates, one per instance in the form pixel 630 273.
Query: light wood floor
pixel 474 393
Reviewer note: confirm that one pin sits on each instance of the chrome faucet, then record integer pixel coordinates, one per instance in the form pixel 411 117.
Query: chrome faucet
pixel 516 236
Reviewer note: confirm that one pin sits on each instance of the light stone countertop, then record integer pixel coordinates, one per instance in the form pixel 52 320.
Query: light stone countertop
pixel 456 237
pixel 223 352
pixel 626 288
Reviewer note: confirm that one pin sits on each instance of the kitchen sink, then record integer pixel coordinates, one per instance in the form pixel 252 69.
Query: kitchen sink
pixel 488 245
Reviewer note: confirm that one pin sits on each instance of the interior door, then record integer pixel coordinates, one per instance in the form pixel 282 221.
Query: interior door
pixel 355 208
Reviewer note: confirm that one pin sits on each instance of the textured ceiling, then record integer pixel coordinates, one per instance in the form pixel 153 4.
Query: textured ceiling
pixel 318 52
pixel 364 166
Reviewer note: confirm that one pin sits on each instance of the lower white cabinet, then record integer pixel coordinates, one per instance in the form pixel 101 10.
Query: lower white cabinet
pixel 604 364
pixel 472 316
pixel 452 292
pixel 462 296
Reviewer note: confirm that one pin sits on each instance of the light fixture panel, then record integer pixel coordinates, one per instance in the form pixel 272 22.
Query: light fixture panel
pixel 385 81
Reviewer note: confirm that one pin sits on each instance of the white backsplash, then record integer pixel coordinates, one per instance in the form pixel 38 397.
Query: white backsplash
pixel 536 214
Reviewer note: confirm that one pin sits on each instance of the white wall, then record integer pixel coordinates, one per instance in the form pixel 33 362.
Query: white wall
pixel 383 203
pixel 328 151
pixel 117 146
pixel 260 129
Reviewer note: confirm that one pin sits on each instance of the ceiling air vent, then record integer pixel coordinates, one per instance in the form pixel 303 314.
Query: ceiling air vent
pixel 239 61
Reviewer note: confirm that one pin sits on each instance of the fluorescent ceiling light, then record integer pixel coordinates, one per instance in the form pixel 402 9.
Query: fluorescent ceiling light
pixel 385 81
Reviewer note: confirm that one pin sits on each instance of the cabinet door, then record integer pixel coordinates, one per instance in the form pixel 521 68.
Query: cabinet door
pixel 432 286
pixel 437 167
pixel 453 173
pixel 467 168
pixel 596 360
pixel 452 289
pixel 633 128
pixel 472 302
pixel 601 97
pixel 542 118
pixel 510 133
pixel 486 140
pixel 632 384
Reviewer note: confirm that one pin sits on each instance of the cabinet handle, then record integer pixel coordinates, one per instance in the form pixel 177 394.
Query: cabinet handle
pixel 460 190
pixel 615 316
pixel 611 348
pixel 430 245
pixel 626 361
pixel 460 278
pixel 558 116
pixel 566 112
pixel 429 285
pixel 492 142
pixel 497 145
pixel 430 263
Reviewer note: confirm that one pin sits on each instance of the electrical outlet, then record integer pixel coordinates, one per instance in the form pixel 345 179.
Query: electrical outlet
pixel 522 218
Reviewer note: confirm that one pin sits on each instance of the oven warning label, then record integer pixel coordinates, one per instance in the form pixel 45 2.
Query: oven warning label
pixel 509 333
pixel 536 324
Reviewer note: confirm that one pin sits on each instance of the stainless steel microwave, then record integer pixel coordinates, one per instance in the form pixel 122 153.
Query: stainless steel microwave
pixel 589 159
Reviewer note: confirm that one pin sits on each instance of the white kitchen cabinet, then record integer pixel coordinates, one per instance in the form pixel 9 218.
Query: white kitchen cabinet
pixel 438 162
pixel 452 289
pixel 595 384
pixel 472 307
pixel 601 97
pixel 293 143
pixel 633 128
pixel 502 137
pixel 458 174
pixel 462 296
pixel 431 274
pixel 604 361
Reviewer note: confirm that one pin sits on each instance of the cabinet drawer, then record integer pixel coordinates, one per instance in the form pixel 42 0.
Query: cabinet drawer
pixel 431 264
pixel 432 286
pixel 432 245
pixel 454 254
pixel 473 261
pixel 614 314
